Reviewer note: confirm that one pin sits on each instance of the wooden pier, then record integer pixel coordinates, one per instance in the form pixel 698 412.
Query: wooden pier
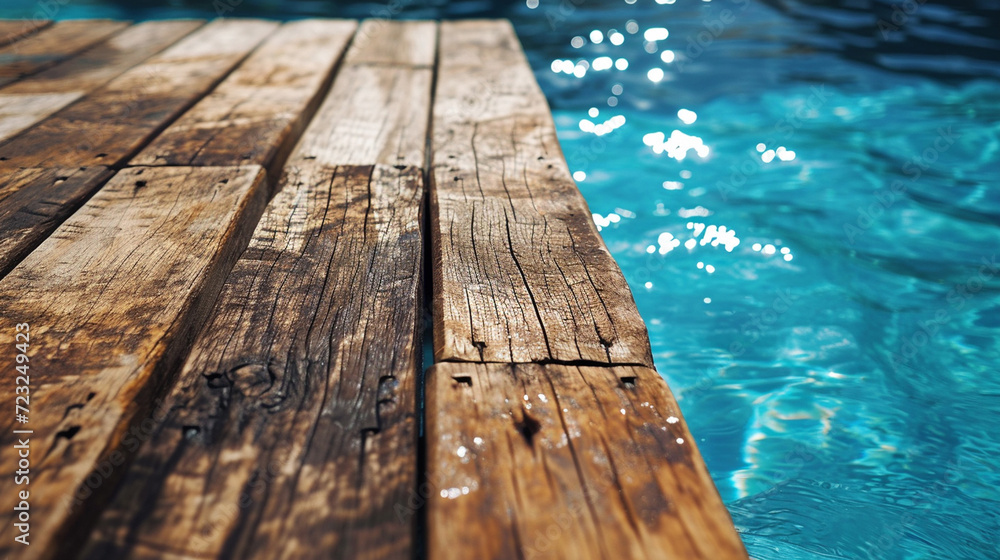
pixel 216 240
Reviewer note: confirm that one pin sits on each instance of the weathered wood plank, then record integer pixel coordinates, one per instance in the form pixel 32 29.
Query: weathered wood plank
pixel 52 45
pixel 378 42
pixel 33 202
pixel 112 299
pixel 292 430
pixel 376 78
pixel 111 124
pixel 13 30
pixel 520 272
pixel 566 462
pixel 32 99
pixel 262 107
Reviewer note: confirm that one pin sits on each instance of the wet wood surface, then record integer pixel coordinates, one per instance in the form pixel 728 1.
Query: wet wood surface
pixel 556 461
pixel 221 235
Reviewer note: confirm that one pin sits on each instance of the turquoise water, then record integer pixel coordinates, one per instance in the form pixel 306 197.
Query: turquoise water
pixel 804 199
pixel 839 365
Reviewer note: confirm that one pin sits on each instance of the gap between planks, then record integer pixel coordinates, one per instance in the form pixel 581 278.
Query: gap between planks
pixel 30 100
pixel 334 148
pixel 185 315
pixel 313 334
pixel 12 31
pixel 193 66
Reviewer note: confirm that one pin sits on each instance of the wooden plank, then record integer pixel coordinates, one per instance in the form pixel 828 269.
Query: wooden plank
pixel 32 99
pixel 112 299
pixel 566 462
pixel 353 135
pixel 378 42
pixel 33 202
pixel 13 30
pixel 107 127
pixel 111 124
pixel 259 111
pixel 292 430
pixel 520 272
pixel 53 45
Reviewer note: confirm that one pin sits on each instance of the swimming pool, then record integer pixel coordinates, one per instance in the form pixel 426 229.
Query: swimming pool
pixel 835 364
pixel 803 198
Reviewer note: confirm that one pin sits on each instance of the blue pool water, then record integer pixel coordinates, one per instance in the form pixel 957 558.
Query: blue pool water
pixel 804 198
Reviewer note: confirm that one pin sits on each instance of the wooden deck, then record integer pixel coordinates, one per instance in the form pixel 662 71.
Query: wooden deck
pixel 217 239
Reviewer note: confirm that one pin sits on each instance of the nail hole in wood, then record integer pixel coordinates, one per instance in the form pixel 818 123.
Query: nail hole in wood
pixel 68 433
pixel 528 426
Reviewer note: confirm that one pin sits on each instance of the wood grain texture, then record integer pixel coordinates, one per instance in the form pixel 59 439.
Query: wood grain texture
pixel 32 99
pixel 112 123
pixel 520 272
pixel 397 133
pixel 263 106
pixel 112 297
pixel 33 202
pixel 292 430
pixel 566 462
pixel 52 45
pixel 381 41
pixel 13 30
